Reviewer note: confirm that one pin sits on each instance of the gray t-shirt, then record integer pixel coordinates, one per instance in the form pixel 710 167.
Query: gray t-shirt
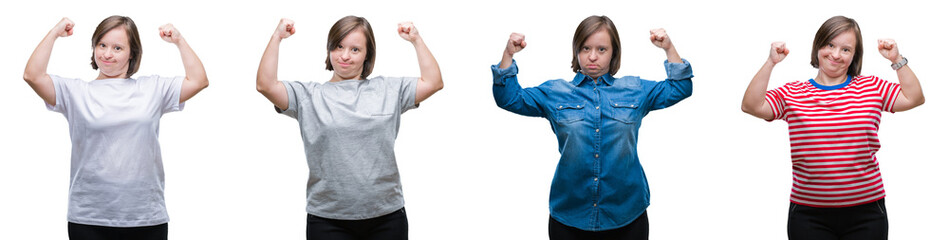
pixel 116 177
pixel 349 130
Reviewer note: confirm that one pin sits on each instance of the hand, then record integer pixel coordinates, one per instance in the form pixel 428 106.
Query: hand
pixel 515 44
pixel 660 38
pixel 285 28
pixel 408 31
pixel 169 33
pixel 778 52
pixel 64 28
pixel 889 50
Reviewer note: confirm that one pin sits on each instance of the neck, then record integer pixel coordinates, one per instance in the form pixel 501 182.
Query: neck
pixel 825 80
pixel 337 78
pixel 104 76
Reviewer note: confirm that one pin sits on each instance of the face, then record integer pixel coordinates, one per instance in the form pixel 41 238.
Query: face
pixel 595 54
pixel 834 58
pixel 112 54
pixel 348 57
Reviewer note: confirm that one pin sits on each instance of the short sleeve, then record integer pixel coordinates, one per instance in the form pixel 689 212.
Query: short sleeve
pixel 776 98
pixel 64 88
pixel 294 91
pixel 889 91
pixel 170 90
pixel 407 88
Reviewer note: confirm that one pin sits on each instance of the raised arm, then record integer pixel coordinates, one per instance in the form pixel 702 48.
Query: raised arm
pixel 661 39
pixel 267 83
pixel 754 102
pixel 911 93
pixel 195 77
pixel 35 73
pixel 431 79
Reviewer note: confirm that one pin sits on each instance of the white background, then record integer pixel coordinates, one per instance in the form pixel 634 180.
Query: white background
pixel 236 170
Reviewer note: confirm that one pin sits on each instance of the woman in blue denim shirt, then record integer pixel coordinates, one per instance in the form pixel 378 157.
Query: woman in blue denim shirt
pixel 599 190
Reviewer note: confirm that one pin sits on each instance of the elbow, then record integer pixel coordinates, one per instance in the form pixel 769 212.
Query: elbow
pixel 439 86
pixel 745 108
pixel 205 83
pixel 29 77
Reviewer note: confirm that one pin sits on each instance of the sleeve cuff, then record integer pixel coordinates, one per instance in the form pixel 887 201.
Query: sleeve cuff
pixel 678 71
pixel 501 74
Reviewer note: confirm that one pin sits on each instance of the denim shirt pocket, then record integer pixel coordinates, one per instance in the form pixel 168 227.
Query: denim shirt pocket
pixel 566 113
pixel 625 110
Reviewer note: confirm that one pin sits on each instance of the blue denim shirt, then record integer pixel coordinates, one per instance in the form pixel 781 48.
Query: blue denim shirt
pixel 599 183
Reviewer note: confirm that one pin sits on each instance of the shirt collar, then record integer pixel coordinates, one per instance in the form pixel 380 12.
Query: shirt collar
pixel 580 78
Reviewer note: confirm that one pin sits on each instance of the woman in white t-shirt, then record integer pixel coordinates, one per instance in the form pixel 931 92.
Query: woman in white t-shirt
pixel 116 188
pixel 349 125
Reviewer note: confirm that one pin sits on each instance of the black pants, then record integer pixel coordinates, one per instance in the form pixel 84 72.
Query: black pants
pixel 864 222
pixel 390 226
pixel 92 232
pixel 636 230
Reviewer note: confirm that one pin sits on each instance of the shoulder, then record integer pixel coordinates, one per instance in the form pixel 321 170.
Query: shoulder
pixel 865 79
pixel 298 85
pixel 64 80
pixel 632 81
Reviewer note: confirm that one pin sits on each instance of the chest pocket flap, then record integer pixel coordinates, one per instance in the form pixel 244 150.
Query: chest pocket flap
pixel 565 113
pixel 625 110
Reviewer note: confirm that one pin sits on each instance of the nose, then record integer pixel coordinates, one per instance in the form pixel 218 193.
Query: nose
pixel 835 54
pixel 344 56
pixel 593 57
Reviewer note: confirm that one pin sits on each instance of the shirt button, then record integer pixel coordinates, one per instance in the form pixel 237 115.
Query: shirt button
pixel 596 155
pixel 616 104
pixel 596 179
pixel 594 205
pixel 597 130
pixel 597 107
pixel 578 106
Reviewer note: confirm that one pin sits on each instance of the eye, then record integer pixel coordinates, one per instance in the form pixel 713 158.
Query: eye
pixel 846 50
pixel 117 48
pixel 102 45
pixel 585 48
pixel 831 45
pixel 355 50
pixel 602 49
pixel 339 46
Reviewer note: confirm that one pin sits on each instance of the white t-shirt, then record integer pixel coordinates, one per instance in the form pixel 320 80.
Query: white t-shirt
pixel 116 177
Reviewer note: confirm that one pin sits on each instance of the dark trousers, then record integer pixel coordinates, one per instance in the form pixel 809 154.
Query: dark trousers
pixel 864 222
pixel 636 230
pixel 390 226
pixel 92 232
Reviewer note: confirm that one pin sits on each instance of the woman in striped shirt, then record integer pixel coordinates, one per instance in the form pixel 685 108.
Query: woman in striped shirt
pixel 832 122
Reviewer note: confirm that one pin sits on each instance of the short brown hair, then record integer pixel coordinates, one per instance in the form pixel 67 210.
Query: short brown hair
pixel 135 43
pixel 829 30
pixel 342 28
pixel 588 27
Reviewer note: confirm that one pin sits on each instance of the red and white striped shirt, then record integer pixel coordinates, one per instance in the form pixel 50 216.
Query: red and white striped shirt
pixel 833 131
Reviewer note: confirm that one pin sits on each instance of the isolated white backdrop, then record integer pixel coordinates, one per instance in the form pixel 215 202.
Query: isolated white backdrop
pixel 470 170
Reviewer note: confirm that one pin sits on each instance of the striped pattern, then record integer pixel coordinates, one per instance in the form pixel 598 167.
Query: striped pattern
pixel 834 139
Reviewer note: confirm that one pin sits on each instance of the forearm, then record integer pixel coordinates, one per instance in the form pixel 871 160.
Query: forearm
pixel 672 55
pixel 267 70
pixel 36 65
pixel 506 60
pixel 757 90
pixel 909 85
pixel 194 69
pixel 431 73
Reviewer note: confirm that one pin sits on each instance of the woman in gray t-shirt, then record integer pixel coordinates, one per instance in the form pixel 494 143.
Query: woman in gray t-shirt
pixel 349 125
